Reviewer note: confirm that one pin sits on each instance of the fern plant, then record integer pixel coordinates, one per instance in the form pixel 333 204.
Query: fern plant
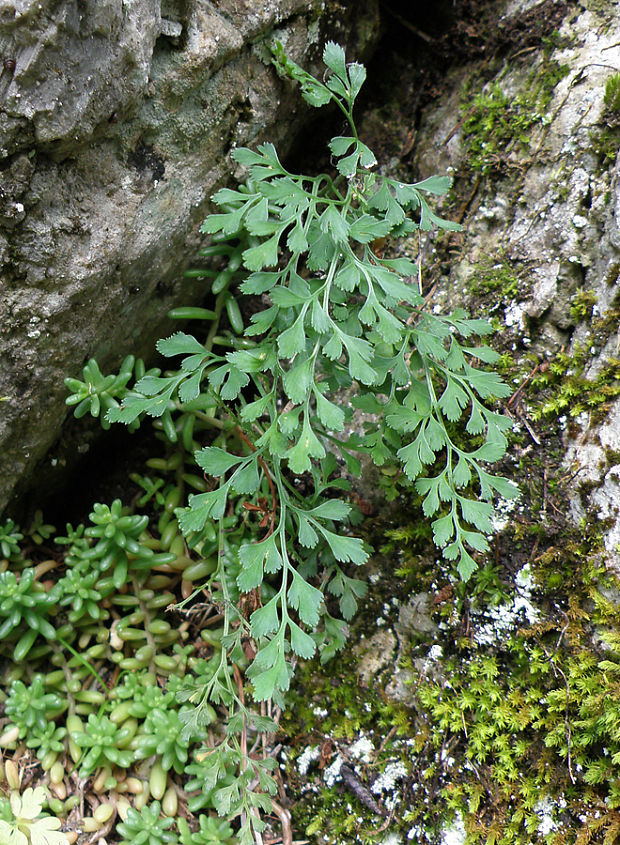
pixel 338 320
pixel 339 315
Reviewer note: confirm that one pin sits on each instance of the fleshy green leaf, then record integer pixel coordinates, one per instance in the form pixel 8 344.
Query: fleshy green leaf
pixel 466 566
pixel 334 58
pixel 367 228
pixel 246 479
pixel 340 144
pixel 297 381
pixel 309 446
pixel 251 557
pixel 266 619
pixel 293 340
pixel 434 185
pixel 257 283
pixel 320 320
pixel 333 223
pixel 332 509
pixel 263 255
pixel 307 535
pixel 253 410
pixel 202 507
pixel 478 513
pixel 443 530
pixel 235 381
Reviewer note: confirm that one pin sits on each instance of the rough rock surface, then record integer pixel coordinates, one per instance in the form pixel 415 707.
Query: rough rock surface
pixel 115 124
pixel 548 211
pixel 552 214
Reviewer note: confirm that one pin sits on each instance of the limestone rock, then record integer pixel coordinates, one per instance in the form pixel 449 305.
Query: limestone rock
pixel 115 128
pixel 550 210
pixel 375 655
pixel 75 65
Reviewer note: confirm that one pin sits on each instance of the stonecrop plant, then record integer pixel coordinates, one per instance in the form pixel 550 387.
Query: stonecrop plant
pixel 263 415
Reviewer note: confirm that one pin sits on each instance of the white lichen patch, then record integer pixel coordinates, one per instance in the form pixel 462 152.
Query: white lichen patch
pixel 455 834
pixel 435 653
pixel 307 756
pixel 332 773
pixel 362 749
pixel 501 516
pixel 388 778
pixel 545 810
pixel 504 618
pixel 514 315
pixel 391 839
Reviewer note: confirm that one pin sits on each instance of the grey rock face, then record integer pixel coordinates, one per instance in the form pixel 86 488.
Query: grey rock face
pixel 556 219
pixel 116 119
pixel 75 64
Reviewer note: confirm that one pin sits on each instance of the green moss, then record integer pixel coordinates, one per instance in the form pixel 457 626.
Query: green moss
pixel 520 737
pixel 496 276
pixel 612 275
pixel 536 719
pixel 333 814
pixel 612 93
pixel 563 387
pixel 605 137
pixel 582 305
pixel 605 142
pixel 496 123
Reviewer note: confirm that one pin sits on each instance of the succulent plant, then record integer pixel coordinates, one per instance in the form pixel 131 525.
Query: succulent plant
pixel 9 539
pixel 143 695
pixel 29 707
pixel 212 831
pixel 24 601
pixel 117 535
pixel 46 740
pixel 164 736
pixel 38 531
pixel 97 393
pixel 80 594
pixel 74 538
pixel 101 741
pixel 152 489
pixel 146 827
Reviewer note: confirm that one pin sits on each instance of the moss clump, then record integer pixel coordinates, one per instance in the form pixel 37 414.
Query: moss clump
pixel 605 137
pixel 605 142
pixel 612 93
pixel 564 388
pixel 500 278
pixel 495 123
pixel 582 305
pixel 519 724
pixel 335 718
pixel 535 719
